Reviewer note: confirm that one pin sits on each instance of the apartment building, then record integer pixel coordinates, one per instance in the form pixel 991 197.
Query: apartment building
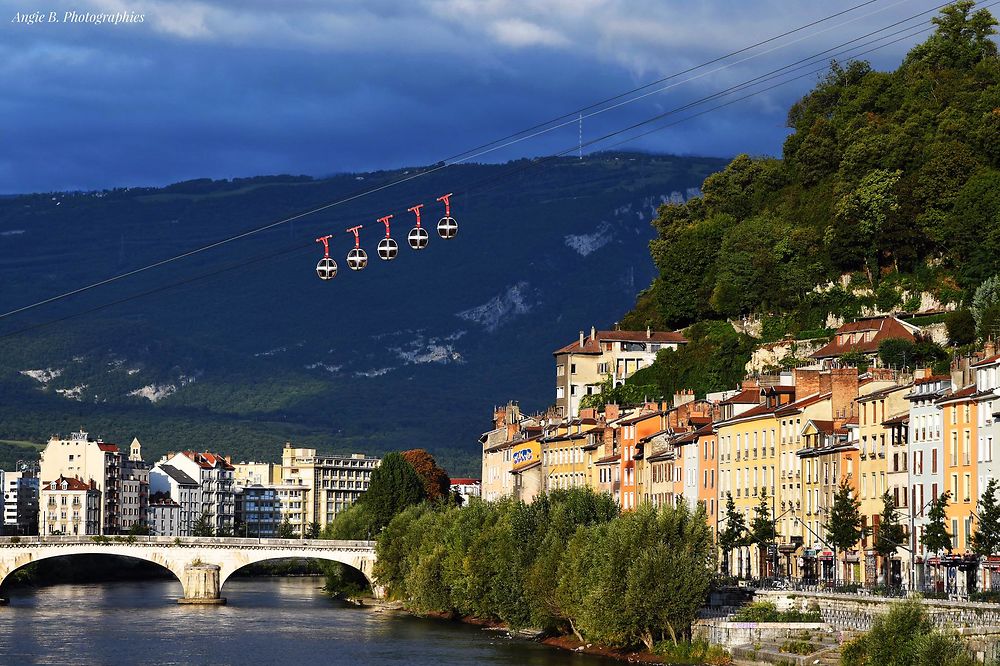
pixel 86 459
pixel 69 506
pixel 583 365
pixel 20 501
pixel 324 484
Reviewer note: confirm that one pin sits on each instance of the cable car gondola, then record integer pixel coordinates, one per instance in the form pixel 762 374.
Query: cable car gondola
pixel 326 269
pixel 447 226
pixel 357 258
pixel 387 247
pixel 418 236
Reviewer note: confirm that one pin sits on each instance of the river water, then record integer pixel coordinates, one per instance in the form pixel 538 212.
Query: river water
pixel 267 621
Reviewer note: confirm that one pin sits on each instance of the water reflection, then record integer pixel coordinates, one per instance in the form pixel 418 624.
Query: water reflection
pixel 267 621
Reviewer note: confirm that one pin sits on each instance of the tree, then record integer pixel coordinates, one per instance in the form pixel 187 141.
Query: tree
pixel 961 40
pixel 986 537
pixel 844 527
pixel 867 208
pixel 763 529
pixel 313 531
pixel 890 535
pixel 437 485
pixel 394 485
pixel 203 526
pixel 936 538
pixel 285 530
pixel 961 327
pixel 225 531
pixel 733 535
pixel 986 307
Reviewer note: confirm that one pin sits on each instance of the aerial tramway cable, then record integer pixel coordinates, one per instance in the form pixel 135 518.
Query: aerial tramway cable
pixel 458 158
pixel 543 161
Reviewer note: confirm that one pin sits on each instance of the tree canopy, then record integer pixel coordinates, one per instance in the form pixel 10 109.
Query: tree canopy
pixel 890 178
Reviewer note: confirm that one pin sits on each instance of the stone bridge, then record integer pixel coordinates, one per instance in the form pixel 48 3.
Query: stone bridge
pixel 201 564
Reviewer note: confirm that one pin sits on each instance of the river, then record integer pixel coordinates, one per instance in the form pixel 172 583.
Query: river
pixel 267 621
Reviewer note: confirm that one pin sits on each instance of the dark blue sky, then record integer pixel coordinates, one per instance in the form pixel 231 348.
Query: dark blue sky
pixel 223 88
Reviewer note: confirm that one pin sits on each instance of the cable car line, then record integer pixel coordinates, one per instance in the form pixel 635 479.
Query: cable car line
pixel 300 247
pixel 357 195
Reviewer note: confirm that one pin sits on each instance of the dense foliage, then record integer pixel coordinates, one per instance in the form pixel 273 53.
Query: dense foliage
pixel 892 178
pixel 394 486
pixel 905 636
pixel 569 561
pixel 437 484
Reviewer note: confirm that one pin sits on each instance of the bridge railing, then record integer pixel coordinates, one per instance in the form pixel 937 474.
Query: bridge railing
pixel 28 541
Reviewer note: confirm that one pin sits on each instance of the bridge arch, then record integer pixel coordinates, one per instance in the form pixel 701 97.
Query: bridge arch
pixel 357 564
pixel 10 565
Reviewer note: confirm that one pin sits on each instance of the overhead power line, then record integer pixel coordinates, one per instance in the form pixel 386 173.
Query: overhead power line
pixel 479 151
pixel 782 71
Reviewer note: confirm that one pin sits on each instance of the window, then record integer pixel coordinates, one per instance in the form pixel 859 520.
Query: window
pixel 967 488
pixel 572 368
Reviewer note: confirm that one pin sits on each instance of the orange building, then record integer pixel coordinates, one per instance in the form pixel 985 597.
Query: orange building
pixel 959 436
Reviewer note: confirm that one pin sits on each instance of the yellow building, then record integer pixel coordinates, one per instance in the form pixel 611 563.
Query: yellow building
pixel 256 473
pixel 876 474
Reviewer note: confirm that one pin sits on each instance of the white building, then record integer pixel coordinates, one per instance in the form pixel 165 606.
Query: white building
pixel 926 453
pixel 214 475
pixel 467 489
pixel 20 502
pixel 166 481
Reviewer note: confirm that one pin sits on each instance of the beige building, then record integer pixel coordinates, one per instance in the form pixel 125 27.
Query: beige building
pixel 256 473
pixel 69 506
pixel 583 365
pixel 314 488
pixel 80 457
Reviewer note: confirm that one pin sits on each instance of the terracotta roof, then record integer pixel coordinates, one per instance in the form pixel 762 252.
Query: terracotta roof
pixel 207 460
pixel 884 327
pixel 104 446
pixel 987 361
pixel 614 457
pixel 667 454
pixel 744 397
pixel 933 378
pixel 71 484
pixel 629 420
pixel 592 345
pixel 810 399
pixel 759 410
pixel 961 393
pixel 465 482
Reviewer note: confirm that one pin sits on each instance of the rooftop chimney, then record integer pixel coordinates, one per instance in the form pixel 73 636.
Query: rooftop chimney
pixel 581 339
pixel 649 333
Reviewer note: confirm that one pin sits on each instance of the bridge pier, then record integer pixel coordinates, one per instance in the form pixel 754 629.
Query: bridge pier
pixel 201 585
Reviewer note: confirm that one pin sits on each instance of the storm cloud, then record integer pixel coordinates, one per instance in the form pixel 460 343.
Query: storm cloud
pixel 225 88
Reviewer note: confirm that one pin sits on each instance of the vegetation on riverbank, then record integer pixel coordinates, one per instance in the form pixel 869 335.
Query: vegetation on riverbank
pixel 567 563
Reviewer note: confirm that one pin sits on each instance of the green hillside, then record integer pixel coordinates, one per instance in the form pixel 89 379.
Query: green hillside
pixel 888 187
